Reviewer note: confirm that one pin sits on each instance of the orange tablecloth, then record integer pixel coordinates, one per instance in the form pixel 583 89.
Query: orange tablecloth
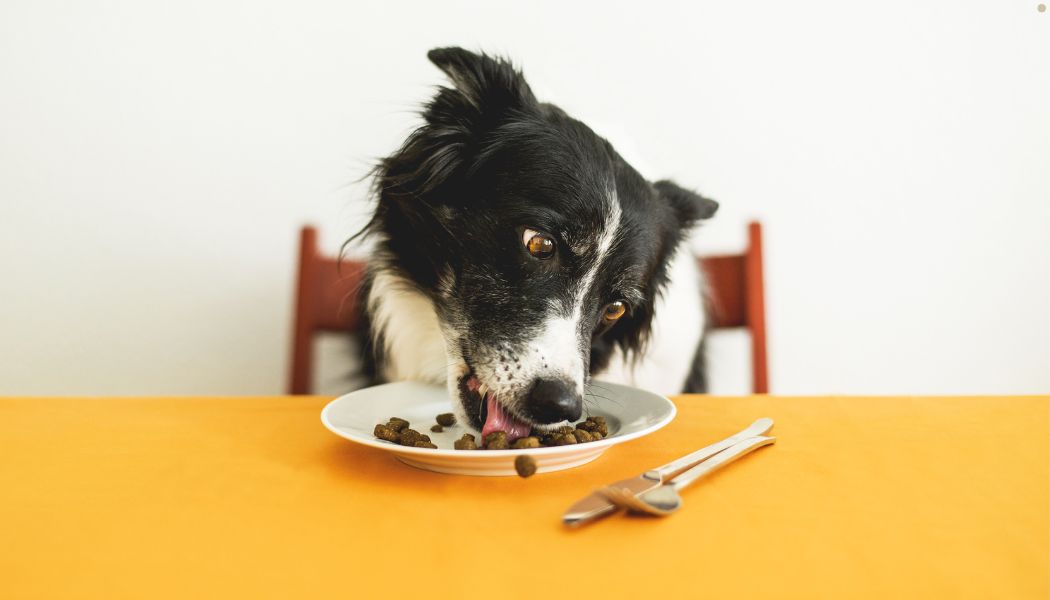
pixel 252 497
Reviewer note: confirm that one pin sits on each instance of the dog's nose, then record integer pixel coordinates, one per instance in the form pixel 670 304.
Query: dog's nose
pixel 554 400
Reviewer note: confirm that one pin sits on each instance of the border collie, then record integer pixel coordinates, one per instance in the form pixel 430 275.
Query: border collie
pixel 517 254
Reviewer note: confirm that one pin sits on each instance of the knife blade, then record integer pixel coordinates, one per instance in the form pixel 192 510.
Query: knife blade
pixel 595 505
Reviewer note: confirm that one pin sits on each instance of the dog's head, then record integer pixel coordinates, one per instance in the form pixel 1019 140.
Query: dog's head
pixel 541 249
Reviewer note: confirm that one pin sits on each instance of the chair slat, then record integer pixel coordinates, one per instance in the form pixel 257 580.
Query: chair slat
pixel 726 290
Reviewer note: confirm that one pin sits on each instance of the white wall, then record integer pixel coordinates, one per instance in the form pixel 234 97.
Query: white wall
pixel 157 158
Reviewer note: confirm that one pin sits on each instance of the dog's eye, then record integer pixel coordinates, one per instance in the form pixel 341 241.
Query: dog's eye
pixel 538 244
pixel 613 311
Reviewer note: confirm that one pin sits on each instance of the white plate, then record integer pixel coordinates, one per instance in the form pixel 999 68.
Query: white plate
pixel 629 412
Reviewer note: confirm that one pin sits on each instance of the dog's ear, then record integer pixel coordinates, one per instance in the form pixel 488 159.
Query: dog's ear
pixel 486 93
pixel 690 207
pixel 490 86
pixel 687 208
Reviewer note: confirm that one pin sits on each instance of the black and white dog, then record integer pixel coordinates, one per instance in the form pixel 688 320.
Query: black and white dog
pixel 517 254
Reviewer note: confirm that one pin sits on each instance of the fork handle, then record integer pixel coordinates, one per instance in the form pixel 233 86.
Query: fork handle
pixel 680 465
pixel 720 460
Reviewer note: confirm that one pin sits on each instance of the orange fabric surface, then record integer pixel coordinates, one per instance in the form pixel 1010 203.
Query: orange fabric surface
pixel 252 497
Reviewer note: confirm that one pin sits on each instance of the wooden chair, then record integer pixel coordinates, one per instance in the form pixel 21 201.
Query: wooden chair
pixel 737 298
pixel 326 302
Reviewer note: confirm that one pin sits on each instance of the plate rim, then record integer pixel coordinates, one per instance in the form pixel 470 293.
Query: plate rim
pixel 444 452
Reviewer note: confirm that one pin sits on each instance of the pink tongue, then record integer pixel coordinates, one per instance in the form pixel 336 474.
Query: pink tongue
pixel 499 420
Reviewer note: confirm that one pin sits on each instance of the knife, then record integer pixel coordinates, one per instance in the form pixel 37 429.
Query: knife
pixel 596 506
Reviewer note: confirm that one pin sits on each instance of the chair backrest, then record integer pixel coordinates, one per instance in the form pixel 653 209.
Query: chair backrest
pixel 326 300
pixel 736 298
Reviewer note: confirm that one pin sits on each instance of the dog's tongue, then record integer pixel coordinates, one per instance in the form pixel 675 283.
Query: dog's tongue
pixel 498 419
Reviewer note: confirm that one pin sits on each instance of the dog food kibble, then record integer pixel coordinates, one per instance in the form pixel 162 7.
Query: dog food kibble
pixel 465 443
pixel 397 424
pixel 384 432
pixel 594 425
pixel 409 437
pixel 563 440
pixel 525 465
pixel 602 426
pixel 497 440
pixel 397 430
pixel 525 442
pixel 583 436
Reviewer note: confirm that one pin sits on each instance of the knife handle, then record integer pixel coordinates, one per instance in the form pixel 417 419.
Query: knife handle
pixel 720 460
pixel 676 467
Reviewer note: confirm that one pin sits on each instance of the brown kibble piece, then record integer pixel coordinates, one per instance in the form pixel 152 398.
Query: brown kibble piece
pixel 497 440
pixel 583 436
pixel 397 430
pixel 525 465
pixel 385 433
pixel 465 443
pixel 525 442
pixel 590 430
pixel 409 437
pixel 600 425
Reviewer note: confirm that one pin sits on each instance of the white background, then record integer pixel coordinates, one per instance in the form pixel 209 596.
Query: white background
pixel 156 160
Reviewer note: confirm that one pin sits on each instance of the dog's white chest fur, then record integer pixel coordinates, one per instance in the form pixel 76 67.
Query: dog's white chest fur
pixel 415 349
pixel 413 346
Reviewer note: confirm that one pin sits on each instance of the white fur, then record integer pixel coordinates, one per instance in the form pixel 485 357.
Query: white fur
pixel 413 345
pixel 556 350
pixel 601 250
pixel 677 326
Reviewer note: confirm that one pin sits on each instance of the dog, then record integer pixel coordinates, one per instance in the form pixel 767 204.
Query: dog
pixel 517 254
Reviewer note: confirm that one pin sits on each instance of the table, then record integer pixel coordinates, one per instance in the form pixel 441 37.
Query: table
pixel 895 497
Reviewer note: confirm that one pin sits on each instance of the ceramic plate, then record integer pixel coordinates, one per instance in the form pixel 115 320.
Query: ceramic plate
pixel 630 413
